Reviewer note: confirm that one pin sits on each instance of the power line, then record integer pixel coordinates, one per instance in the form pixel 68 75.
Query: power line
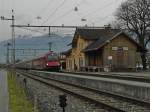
pixel 29 49
pixel 39 31
pixel 69 11
pixel 32 30
pixel 54 11
pixel 93 12
pixel 66 13
pixel 60 17
pixel 98 9
pixel 54 26
pixel 109 15
pixel 28 44
pixel 43 9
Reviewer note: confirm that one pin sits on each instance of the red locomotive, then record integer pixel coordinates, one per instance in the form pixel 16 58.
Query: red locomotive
pixel 49 61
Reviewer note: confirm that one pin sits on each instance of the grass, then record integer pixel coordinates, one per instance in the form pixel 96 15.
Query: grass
pixel 18 101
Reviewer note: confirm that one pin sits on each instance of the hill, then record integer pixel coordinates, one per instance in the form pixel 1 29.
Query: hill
pixel 59 44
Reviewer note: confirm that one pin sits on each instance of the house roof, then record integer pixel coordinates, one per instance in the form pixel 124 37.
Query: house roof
pixel 96 33
pixel 95 45
pixel 67 52
pixel 104 40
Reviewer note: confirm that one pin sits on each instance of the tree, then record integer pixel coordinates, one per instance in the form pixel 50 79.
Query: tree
pixel 135 16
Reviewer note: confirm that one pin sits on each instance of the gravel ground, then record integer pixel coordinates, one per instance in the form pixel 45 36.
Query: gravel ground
pixel 46 98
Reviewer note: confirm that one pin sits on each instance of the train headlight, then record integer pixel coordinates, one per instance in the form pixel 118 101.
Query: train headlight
pixel 47 64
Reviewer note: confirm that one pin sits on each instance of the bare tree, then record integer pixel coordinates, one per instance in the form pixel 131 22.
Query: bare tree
pixel 135 16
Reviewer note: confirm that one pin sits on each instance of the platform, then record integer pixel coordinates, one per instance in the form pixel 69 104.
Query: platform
pixel 4 96
pixel 135 89
pixel 138 74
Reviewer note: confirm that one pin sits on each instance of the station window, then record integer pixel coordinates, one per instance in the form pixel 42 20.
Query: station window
pixel 120 49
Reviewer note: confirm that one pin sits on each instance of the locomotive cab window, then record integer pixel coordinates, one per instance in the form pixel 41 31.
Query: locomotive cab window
pixel 52 57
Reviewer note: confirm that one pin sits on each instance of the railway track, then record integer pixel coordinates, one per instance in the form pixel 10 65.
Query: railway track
pixel 109 102
pixel 111 76
pixel 115 76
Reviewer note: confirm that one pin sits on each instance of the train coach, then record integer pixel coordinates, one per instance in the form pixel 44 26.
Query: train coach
pixel 49 61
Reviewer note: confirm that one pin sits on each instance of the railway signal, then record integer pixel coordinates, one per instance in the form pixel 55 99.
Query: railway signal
pixel 62 102
pixel 25 81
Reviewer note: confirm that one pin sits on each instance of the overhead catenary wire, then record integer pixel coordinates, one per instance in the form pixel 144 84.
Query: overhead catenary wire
pixel 102 18
pixel 43 10
pixel 36 30
pixel 98 9
pixel 93 12
pixel 106 17
pixel 66 13
pixel 48 5
pixel 32 30
pixel 60 17
pixel 52 14
pixel 52 21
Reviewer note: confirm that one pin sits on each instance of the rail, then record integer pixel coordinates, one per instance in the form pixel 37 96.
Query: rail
pixel 109 105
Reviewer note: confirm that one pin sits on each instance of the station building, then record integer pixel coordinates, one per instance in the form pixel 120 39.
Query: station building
pixel 101 50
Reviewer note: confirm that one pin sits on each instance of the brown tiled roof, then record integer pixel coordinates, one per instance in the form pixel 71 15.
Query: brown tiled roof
pixel 96 33
pixel 100 37
pixel 102 41
pixel 95 45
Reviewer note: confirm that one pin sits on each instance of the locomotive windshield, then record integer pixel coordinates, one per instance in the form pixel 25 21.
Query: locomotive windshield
pixel 52 57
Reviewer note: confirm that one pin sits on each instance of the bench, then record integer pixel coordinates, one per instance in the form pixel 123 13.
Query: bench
pixel 91 69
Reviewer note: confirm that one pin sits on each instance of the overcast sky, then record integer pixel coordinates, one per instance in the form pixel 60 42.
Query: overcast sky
pixel 55 12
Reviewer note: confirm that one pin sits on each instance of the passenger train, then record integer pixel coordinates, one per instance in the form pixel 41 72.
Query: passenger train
pixel 49 61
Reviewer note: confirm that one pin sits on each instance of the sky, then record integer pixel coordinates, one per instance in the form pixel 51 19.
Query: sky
pixel 55 12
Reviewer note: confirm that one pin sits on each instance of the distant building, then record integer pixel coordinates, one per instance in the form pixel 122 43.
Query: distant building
pixel 101 50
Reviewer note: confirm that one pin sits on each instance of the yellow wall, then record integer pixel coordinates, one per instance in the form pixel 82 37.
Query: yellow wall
pixel 128 60
pixel 77 57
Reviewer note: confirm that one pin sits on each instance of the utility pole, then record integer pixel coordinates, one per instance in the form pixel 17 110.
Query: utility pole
pixel 50 46
pixel 13 35
pixel 49 28
pixel 7 55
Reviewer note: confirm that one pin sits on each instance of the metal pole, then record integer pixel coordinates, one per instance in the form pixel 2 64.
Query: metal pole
pixel 7 58
pixel 34 52
pixel 49 31
pixel 13 38
pixel 63 109
pixel 50 46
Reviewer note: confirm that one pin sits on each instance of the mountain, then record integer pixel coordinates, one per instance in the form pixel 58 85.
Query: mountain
pixel 59 44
